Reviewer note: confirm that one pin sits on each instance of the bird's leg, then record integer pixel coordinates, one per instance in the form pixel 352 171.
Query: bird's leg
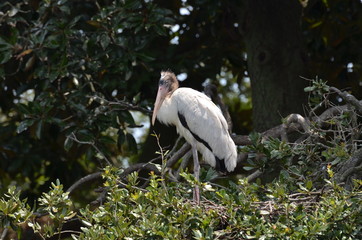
pixel 197 175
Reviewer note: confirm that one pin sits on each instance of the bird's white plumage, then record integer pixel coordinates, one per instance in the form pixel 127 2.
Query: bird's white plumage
pixel 205 120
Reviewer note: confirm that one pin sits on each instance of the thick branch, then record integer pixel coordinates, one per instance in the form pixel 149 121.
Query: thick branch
pixel 175 157
pixel 353 165
pixel 83 180
pixel 140 166
pixel 349 99
pixel 254 175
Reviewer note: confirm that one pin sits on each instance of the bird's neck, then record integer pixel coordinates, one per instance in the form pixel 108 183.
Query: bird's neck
pixel 172 90
pixel 167 114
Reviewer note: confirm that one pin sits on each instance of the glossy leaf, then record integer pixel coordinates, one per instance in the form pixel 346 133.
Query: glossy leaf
pixel 24 125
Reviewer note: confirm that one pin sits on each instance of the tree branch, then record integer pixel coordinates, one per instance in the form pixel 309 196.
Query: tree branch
pixel 177 155
pixel 348 98
pixel 124 105
pixel 353 165
pixel 83 180
pixel 74 138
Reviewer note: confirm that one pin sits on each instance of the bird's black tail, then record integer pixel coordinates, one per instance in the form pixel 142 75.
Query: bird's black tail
pixel 220 165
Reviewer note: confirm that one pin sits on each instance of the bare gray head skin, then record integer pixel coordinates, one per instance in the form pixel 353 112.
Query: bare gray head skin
pixel 166 86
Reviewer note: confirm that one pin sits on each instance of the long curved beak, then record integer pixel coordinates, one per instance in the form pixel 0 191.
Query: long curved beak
pixel 161 94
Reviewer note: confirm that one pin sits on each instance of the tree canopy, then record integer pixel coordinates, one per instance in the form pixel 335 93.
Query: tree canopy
pixel 78 81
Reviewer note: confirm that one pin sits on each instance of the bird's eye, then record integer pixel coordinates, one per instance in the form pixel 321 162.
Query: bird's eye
pixel 162 82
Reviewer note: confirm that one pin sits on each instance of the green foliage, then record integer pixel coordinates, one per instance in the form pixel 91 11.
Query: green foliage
pixel 163 211
pixel 317 90
pixel 56 204
pixel 13 210
pixel 266 154
pixel 63 66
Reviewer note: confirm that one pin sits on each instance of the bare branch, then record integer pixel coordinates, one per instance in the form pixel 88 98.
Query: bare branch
pixel 352 166
pixel 83 180
pixel 349 99
pixel 74 138
pixel 175 157
pixel 241 140
pixel 184 163
pixel 140 166
pixel 298 119
pixel 121 104
pixel 254 175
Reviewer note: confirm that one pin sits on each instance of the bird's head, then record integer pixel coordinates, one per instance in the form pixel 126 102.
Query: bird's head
pixel 166 86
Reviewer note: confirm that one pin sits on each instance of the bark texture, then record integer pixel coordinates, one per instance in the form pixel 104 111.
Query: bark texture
pixel 275 60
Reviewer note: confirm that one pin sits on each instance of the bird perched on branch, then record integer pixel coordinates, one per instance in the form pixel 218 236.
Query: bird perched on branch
pixel 199 121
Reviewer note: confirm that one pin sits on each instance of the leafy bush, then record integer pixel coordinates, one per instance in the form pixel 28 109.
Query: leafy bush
pixel 164 211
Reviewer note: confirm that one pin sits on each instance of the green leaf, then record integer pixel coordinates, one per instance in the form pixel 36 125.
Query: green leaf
pixel 68 143
pixel 5 51
pixel 106 140
pixel 132 145
pixel 145 57
pixel 52 42
pixel 39 128
pixel 247 168
pixel 24 125
pixel 197 234
pixel 23 108
pixel 309 89
pixel 104 41
pixel 160 30
pixel 309 185
pixel 126 116
pixel 121 138
pixel 85 135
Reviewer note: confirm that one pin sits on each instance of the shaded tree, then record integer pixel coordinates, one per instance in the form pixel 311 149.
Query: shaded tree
pixel 276 60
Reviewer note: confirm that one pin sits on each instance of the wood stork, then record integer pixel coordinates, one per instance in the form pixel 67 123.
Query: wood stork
pixel 199 121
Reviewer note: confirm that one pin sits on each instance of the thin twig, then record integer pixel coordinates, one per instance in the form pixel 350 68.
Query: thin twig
pixel 74 138
pixel 121 103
